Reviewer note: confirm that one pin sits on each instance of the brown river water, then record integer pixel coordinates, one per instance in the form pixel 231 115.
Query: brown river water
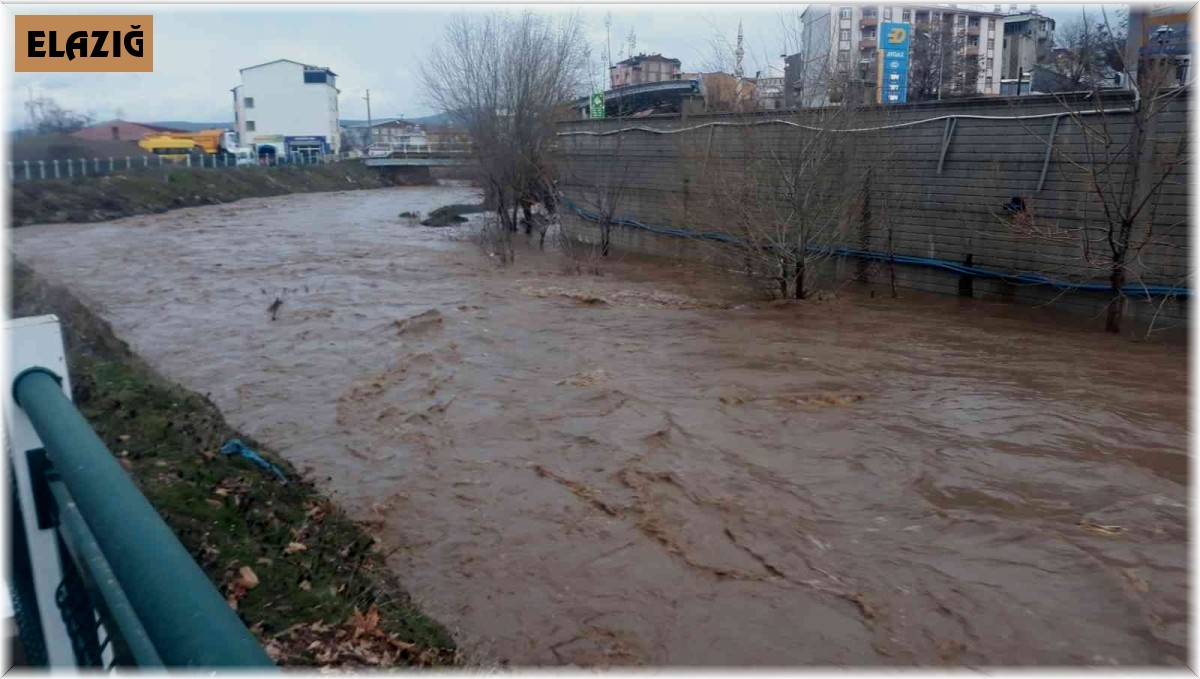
pixel 642 468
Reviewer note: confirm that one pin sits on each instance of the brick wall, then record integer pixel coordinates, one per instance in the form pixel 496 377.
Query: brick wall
pixel 936 189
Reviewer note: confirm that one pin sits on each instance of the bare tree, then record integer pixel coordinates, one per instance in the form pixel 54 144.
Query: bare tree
pixel 1128 158
pixel 47 117
pixel 506 79
pixel 939 66
pixel 785 198
pixel 1092 48
pixel 602 186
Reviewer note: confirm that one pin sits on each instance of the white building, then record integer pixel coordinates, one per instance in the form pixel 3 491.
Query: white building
pixel 843 40
pixel 1028 42
pixel 284 107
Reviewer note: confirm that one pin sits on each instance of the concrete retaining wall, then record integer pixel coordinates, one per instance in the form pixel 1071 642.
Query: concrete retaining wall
pixel 936 189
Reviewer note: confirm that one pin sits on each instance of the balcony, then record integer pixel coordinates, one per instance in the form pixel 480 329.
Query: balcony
pixel 973 30
pixel 971 50
pixel 867 44
pixel 867 22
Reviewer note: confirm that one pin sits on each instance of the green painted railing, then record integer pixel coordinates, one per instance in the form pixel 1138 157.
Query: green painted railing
pixel 165 610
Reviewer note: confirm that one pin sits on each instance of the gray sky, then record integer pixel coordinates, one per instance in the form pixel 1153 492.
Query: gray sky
pixel 199 49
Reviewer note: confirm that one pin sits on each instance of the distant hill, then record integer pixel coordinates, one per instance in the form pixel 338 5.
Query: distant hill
pixel 192 127
pixel 435 119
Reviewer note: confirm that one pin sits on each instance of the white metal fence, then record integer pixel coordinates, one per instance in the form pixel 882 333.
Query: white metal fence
pixel 31 170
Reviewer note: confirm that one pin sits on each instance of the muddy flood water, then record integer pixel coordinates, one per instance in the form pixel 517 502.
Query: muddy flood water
pixel 642 468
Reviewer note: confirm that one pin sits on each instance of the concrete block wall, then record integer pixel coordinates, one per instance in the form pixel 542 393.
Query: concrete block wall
pixel 701 180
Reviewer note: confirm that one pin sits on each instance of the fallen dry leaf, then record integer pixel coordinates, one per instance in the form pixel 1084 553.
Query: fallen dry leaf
pixel 295 547
pixel 247 578
pixel 305 586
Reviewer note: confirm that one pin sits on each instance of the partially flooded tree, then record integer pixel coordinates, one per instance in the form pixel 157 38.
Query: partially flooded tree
pixel 601 185
pixel 1129 153
pixel 785 198
pixel 506 79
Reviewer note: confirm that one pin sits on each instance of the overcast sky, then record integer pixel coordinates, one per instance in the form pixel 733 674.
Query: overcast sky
pixel 198 50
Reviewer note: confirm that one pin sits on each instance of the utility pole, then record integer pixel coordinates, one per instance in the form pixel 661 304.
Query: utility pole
pixel 1134 41
pixel 369 135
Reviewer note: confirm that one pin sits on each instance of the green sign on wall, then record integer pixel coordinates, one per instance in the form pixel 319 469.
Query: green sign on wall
pixel 596 105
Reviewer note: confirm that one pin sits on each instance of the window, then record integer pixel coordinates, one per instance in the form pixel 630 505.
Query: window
pixel 316 77
pixel 248 102
pixel 844 12
pixel 116 133
pixel 991 43
pixel 906 15
pixel 249 125
pixel 868 33
pixel 887 13
pixel 844 34
pixel 990 63
pixel 868 11
pixel 960 20
pixel 972 41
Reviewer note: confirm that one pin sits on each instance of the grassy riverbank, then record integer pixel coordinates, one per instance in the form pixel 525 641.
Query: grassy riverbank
pixel 308 581
pixel 154 190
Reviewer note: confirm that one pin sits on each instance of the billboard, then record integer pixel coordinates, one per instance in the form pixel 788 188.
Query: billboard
pixel 894 39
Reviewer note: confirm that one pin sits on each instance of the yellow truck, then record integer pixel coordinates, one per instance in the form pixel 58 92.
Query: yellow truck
pixel 169 148
pixel 176 146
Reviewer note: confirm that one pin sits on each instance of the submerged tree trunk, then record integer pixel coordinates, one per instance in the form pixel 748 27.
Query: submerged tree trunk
pixel 527 212
pixel 801 269
pixel 1116 309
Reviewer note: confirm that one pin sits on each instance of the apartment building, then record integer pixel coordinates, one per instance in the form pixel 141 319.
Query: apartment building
pixel 1028 42
pixel 643 68
pixel 841 42
pixel 284 107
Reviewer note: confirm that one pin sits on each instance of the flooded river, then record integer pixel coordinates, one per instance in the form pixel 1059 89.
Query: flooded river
pixel 642 468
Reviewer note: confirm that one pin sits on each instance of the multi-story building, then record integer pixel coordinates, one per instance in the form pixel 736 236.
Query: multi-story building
pixel 768 89
pixel 841 43
pixel 284 108
pixel 1028 42
pixel 1167 41
pixel 643 68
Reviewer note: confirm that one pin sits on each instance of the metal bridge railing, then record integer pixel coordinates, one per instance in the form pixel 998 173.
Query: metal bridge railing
pixel 404 150
pixel 125 590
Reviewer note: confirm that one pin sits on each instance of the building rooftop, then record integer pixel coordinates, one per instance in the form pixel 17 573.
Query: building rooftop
pixel 290 61
pixel 156 128
pixel 639 58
